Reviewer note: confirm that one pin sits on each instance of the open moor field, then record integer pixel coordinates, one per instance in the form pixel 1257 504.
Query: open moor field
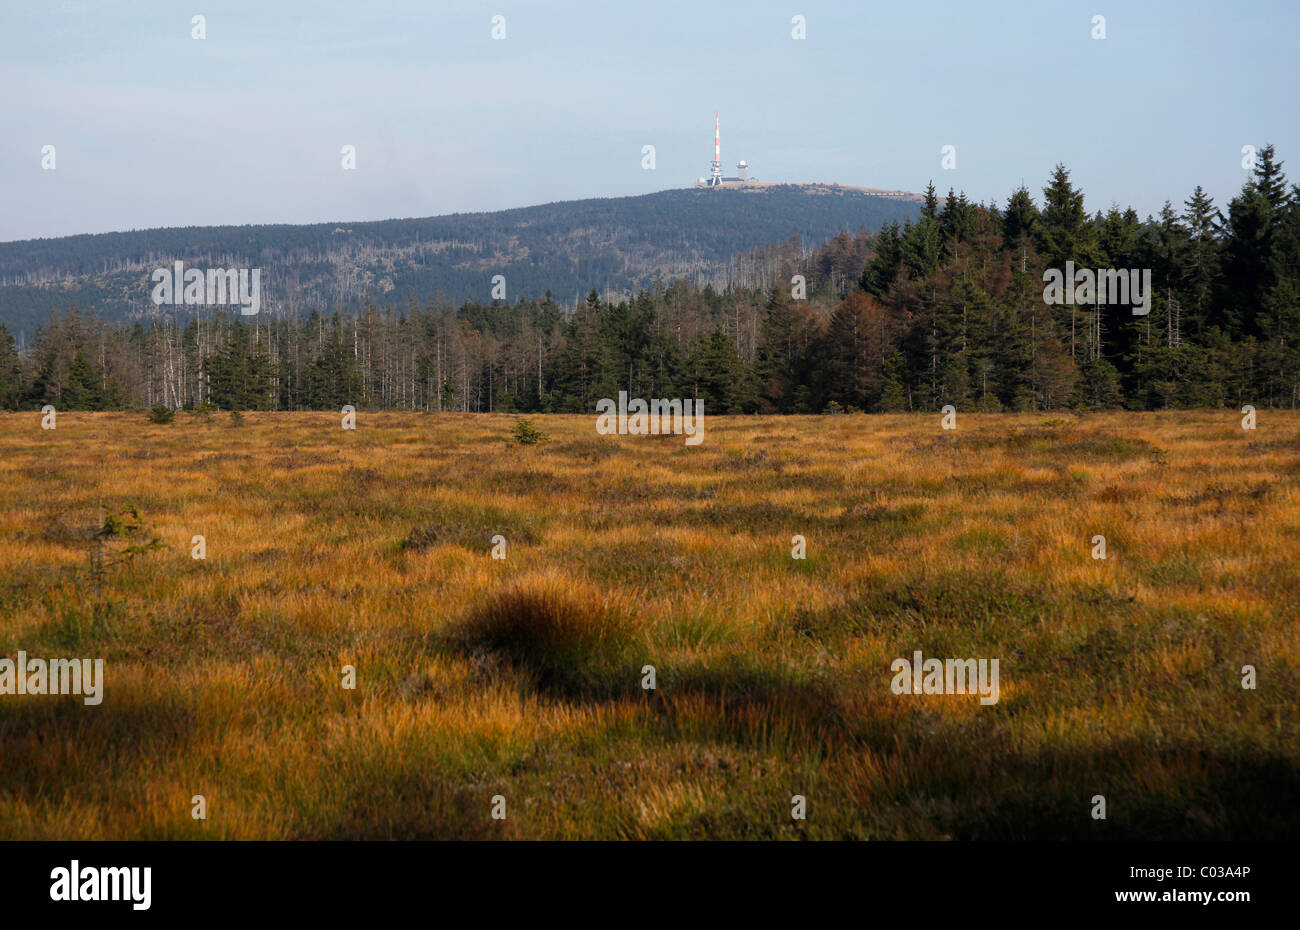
pixel 522 677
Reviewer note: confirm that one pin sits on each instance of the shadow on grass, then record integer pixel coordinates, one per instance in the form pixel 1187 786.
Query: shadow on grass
pixel 50 745
pixel 1180 793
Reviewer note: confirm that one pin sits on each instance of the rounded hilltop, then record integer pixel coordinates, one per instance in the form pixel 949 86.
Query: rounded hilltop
pixel 816 187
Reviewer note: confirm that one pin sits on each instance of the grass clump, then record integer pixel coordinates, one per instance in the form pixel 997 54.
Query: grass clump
pixel 568 637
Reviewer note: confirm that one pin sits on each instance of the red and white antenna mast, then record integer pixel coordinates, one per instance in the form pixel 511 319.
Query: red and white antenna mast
pixel 717 150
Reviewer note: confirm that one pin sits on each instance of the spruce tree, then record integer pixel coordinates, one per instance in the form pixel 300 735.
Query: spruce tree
pixel 11 378
pixel 1063 230
pixel 83 390
pixel 1019 220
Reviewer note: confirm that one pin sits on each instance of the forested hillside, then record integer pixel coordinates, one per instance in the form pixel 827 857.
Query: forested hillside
pixel 948 309
pixel 613 245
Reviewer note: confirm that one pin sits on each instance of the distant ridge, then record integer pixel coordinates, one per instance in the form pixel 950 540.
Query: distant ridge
pixel 569 248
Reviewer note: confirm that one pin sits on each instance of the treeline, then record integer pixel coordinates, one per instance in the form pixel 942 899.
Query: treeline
pixel 948 309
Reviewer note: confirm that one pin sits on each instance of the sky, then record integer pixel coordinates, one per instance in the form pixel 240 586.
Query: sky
pixel 153 127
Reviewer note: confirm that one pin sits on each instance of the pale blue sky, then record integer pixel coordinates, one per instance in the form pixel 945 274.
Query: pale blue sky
pixel 154 128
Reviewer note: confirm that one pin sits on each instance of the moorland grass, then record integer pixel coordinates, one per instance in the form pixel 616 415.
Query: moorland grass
pixel 522 676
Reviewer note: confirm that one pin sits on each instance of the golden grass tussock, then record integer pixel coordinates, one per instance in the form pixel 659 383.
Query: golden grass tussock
pixel 567 633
